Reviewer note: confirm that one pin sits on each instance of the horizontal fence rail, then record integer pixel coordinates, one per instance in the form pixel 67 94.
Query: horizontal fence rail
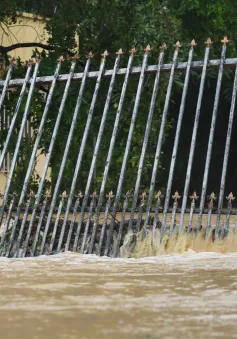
pixel 114 132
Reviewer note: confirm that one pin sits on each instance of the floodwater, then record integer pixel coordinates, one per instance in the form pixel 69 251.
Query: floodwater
pixel 176 295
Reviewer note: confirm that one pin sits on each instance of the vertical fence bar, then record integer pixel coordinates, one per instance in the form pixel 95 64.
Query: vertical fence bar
pixel 103 229
pixel 194 135
pixel 211 199
pixel 63 197
pixel 18 242
pixel 159 196
pixel 8 218
pixel 193 198
pixel 111 148
pixel 147 133
pixel 97 146
pixel 128 145
pixel 13 120
pixel 20 135
pixel 226 155
pixel 140 212
pixel 35 148
pixel 177 135
pixel 7 80
pixel 42 213
pixel 161 134
pixel 68 144
pixel 74 215
pixel 225 229
pixel 236 223
pixel 120 232
pixel 51 147
pixel 176 197
pixel 211 135
pixel 92 205
pixel 81 152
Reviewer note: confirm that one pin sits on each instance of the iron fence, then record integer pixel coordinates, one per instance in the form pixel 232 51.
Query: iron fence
pixel 34 223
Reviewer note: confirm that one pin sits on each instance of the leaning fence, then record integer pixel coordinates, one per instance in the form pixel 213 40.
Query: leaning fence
pixel 35 222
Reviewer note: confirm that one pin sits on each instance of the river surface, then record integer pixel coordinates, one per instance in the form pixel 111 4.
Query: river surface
pixel 190 295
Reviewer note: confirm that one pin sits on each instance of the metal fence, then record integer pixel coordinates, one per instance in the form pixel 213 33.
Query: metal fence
pixel 34 223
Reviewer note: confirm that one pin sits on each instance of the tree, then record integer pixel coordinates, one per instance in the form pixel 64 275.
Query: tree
pixel 111 24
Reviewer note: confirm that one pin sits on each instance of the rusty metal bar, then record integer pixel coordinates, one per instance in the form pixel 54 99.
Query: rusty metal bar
pixel 128 145
pixel 18 242
pixel 120 232
pixel 211 199
pixel 225 229
pixel 161 134
pixel 226 155
pixel 74 215
pixel 20 135
pixel 111 148
pixel 103 229
pixel 5 83
pixel 211 136
pixel 143 197
pixel 193 198
pixel 81 153
pixel 50 150
pixel 194 135
pixel 42 213
pixel 177 136
pixel 181 66
pixel 97 146
pixel 63 197
pixel 13 120
pixel 35 148
pixel 146 136
pixel 176 197
pixel 92 205
pixel 159 196
pixel 8 218
pixel 68 144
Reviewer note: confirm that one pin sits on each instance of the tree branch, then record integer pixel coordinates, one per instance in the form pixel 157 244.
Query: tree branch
pixel 5 50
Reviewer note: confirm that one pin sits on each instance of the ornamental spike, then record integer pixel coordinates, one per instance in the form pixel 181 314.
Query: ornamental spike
pixel 225 40
pixel 147 49
pixel 208 42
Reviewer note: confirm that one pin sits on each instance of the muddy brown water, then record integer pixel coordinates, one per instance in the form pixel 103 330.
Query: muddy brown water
pixel 188 293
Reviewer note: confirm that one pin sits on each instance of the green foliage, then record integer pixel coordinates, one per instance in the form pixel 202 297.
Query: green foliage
pixel 111 24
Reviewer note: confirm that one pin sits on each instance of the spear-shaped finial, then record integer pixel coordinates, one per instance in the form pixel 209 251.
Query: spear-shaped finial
pixel 93 195
pixel 110 195
pixel 13 61
pixel 176 196
pixel 194 196
pixel 64 195
pixel 105 54
pixel 212 197
pixel 60 59
pixel 230 198
pixel 208 42
pixel 147 49
pixel 225 40
pixel 120 52
pixel 193 43
pixel 159 196
pixel 177 45
pixel 90 55
pixel 38 59
pixel 132 51
pixel 30 62
pixel 163 47
pixel 47 195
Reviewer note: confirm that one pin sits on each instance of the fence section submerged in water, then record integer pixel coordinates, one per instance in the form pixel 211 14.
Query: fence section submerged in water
pixel 33 224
